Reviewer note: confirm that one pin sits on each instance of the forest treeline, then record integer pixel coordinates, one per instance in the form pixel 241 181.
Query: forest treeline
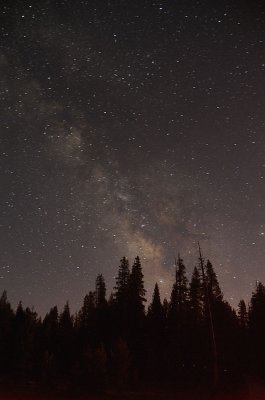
pixel 117 343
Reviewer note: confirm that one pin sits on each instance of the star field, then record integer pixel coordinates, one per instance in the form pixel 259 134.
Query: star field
pixel 130 128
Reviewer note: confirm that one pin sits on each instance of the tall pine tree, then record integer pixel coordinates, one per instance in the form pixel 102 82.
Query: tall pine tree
pixel 100 293
pixel 155 310
pixel 214 290
pixel 196 295
pixel 179 294
pixel 242 314
pixel 136 287
pixel 122 281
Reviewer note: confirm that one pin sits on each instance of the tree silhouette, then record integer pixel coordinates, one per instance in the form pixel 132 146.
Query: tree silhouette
pixel 179 294
pixel 196 296
pixel 156 321
pixel 100 294
pixel 214 290
pixel 155 310
pixel 66 348
pixel 136 288
pixel 242 314
pixel 257 328
pixel 87 311
pixel 6 335
pixel 122 281
pixel 50 338
pixel 115 344
pixel 135 318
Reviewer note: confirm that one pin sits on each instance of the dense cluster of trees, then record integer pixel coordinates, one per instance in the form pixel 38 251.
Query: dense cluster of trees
pixel 117 343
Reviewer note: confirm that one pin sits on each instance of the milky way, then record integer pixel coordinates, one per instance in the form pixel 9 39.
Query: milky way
pixel 130 128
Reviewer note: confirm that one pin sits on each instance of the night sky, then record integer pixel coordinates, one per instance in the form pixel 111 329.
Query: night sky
pixel 130 128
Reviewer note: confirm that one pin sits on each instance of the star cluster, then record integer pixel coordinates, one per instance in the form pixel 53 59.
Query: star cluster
pixel 130 128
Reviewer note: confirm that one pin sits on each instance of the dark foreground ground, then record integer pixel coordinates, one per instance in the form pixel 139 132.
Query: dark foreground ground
pixel 250 391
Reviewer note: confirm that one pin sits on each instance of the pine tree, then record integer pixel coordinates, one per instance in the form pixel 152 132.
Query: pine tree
pixel 208 300
pixel 6 332
pixel 179 294
pixel 155 310
pixel 156 336
pixel 156 315
pixel 87 310
pixel 50 330
pixel 122 280
pixel 242 314
pixel 257 328
pixel 102 312
pixel 65 319
pixel 100 294
pixel 86 321
pixel 25 326
pixel 197 332
pixel 136 287
pixel 52 317
pixel 214 290
pixel 5 307
pixel 65 340
pixel 177 344
pixel 134 321
pixel 257 309
pixel 166 307
pixel 196 295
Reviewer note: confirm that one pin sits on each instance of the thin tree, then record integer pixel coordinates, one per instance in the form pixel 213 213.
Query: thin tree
pixel 196 295
pixel 136 287
pixel 122 280
pixel 179 293
pixel 210 319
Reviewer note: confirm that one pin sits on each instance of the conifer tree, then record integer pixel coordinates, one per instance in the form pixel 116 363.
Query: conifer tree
pixel 196 295
pixel 136 287
pixel 179 294
pixel 25 325
pixel 65 319
pixel 86 321
pixel 6 332
pixel 242 314
pixel 165 307
pixel 256 318
pixel 100 294
pixel 214 290
pixel 50 330
pixel 65 340
pixel 155 310
pixel 122 280
pixel 177 327
pixel 87 310
pixel 102 312
pixel 5 307
pixel 156 327
pixel 52 317
pixel 257 310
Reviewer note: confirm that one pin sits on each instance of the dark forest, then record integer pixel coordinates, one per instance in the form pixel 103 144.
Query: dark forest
pixel 194 339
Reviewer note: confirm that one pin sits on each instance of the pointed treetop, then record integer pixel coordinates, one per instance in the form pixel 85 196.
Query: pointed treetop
pixel 212 282
pixel 122 281
pixel 155 310
pixel 100 292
